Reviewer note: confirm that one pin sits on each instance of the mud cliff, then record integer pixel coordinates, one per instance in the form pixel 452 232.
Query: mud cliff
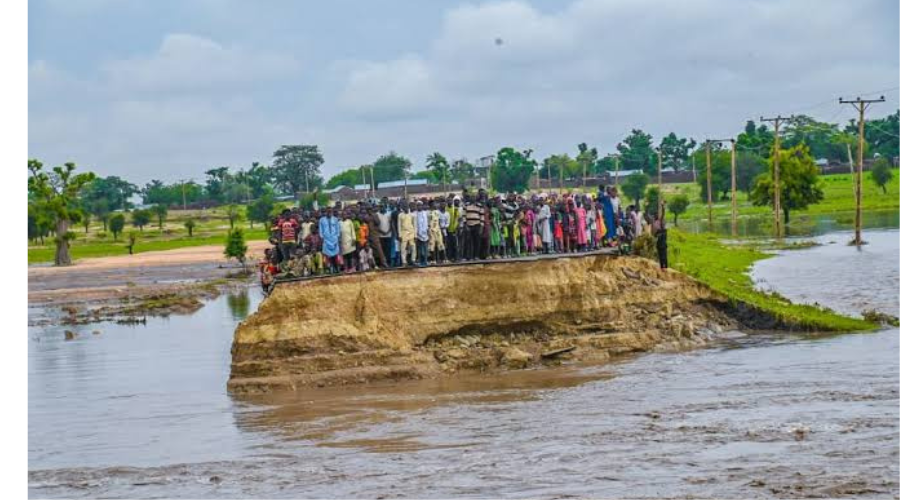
pixel 436 321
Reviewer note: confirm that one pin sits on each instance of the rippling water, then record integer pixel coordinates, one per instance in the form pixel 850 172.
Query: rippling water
pixel 142 412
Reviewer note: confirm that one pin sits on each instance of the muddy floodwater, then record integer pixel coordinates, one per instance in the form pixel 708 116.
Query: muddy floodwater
pixel 142 412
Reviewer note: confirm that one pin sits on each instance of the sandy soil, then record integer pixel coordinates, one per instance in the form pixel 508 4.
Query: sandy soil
pixel 106 278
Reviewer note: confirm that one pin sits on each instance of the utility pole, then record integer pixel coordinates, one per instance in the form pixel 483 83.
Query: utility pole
pixel 861 105
pixel 709 185
pixel 616 156
pixel 659 198
pixel 733 188
pixel 183 196
pixel 777 171
pixel 694 165
pixel 733 182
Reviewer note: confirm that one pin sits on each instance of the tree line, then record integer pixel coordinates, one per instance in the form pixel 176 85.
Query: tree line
pixel 60 198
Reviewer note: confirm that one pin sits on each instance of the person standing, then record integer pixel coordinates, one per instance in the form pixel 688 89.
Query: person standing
pixel 662 243
pixel 385 232
pixel 545 230
pixel 407 234
pixel 454 216
pixel 348 241
pixel 474 220
pixel 422 229
pixel 330 229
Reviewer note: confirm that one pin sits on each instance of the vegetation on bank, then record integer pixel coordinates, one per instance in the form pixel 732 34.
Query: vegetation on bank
pixel 724 268
pixel 837 190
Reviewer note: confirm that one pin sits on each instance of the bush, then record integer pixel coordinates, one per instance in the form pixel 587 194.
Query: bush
pixel 645 246
pixel 235 246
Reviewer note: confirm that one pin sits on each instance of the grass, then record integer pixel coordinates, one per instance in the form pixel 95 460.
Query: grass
pixel 211 229
pixel 724 268
pixel 837 188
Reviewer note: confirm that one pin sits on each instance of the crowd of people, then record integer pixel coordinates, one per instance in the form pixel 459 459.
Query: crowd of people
pixel 372 234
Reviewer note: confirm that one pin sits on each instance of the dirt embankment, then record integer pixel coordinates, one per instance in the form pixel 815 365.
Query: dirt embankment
pixel 436 321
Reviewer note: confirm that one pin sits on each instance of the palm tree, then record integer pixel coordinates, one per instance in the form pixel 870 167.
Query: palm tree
pixel 439 165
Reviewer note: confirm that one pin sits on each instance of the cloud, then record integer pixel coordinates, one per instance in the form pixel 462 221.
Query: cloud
pixel 192 63
pixel 657 63
pixel 563 73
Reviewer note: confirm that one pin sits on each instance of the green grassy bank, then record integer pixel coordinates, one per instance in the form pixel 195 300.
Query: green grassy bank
pixel 724 268
pixel 837 188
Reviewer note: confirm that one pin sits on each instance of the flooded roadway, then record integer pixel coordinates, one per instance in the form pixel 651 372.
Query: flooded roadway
pixel 142 412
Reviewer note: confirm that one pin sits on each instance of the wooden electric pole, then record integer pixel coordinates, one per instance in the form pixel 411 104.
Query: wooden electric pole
pixel 659 198
pixel 733 182
pixel 733 188
pixel 617 156
pixel 861 105
pixel 776 167
pixel 709 186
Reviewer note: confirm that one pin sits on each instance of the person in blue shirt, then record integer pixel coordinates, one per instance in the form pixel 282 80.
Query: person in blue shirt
pixel 330 229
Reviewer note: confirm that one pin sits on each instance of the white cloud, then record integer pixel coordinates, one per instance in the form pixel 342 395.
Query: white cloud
pixel 587 70
pixel 659 64
pixel 192 63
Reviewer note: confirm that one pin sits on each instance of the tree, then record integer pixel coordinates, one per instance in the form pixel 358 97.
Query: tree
pixel 216 179
pixel 634 187
pixel 350 177
pixel 57 195
pixel 678 205
pixel 606 164
pixel 39 224
pixel 161 211
pixel 140 218
pixel 637 152
pixel 676 152
pixel 114 190
pixel 156 192
pixel 439 166
pixel 512 170
pixel 819 136
pixel 554 163
pixel 99 208
pixel 883 135
pixel 189 225
pixel 461 170
pixel 85 218
pixel 260 210
pixel 881 173
pixel 651 204
pixel 296 167
pixel 721 172
pixel 236 192
pixel 758 140
pixel 258 179
pixel 748 166
pixel 586 159
pixel 799 178
pixel 391 167
pixel 235 247
pixel 117 224
pixel 233 214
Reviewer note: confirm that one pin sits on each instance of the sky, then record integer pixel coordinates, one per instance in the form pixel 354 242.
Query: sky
pixel 171 88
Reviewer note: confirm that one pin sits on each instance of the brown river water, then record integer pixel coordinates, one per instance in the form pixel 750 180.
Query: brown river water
pixel 142 412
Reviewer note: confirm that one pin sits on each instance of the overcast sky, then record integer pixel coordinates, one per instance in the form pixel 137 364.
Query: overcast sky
pixel 170 88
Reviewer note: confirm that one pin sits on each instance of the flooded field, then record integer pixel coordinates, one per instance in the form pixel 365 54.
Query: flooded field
pixel 142 411
pixel 760 226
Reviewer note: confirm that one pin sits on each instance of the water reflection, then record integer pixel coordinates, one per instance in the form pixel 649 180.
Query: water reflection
pixel 761 226
pixel 239 304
